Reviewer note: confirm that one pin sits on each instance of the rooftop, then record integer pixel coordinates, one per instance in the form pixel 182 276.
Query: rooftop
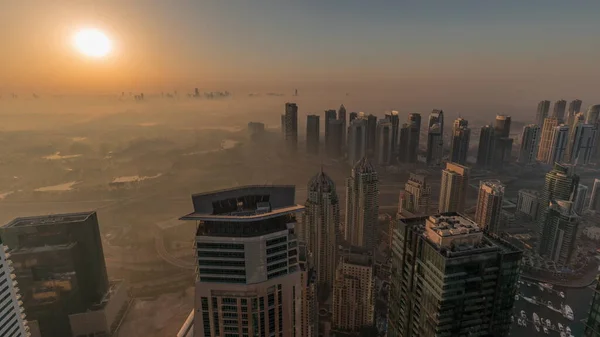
pixel 254 202
pixel 491 186
pixel 41 249
pixel 452 231
pixel 50 219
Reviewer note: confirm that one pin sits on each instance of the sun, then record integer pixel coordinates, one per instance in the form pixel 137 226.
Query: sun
pixel 92 43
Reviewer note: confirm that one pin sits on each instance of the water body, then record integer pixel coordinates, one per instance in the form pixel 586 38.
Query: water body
pixel 57 188
pixel 225 145
pixel 132 179
pixel 58 156
pixel 577 298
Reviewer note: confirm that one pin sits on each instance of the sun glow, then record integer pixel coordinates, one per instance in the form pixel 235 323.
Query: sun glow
pixel 92 43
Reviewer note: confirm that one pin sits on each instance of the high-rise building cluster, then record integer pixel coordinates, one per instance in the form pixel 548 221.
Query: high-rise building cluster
pixel 562 138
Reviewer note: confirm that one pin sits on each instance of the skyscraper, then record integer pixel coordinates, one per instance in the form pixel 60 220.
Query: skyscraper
pixel 528 203
pixel 453 189
pixel 334 145
pixel 353 294
pixel 435 138
pixel 403 137
pixel 353 116
pixel 595 197
pixel 309 309
pixel 371 135
pixel 245 248
pixel 437 117
pixel 560 232
pixel 435 149
pixel 502 127
pixel 592 323
pixel 357 141
pixel 529 144
pixel 503 142
pixel 312 134
pixel 395 120
pixel 12 319
pixel 330 115
pixel 383 143
pixel 559 109
pixel 489 205
pixel 545 148
pixel 362 205
pixel 542 112
pixel 558 145
pixel 414 134
pixel 581 144
pixel 322 224
pixel 426 301
pixel 59 264
pixel 579 203
pixel 291 126
pixel 592 115
pixel 416 195
pixel 574 108
pixel 461 135
pixel 487 145
pixel 561 184
pixel 342 117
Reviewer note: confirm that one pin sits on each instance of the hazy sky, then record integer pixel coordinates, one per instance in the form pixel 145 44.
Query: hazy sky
pixel 542 48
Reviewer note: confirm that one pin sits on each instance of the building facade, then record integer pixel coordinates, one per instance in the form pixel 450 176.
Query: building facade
pixel 592 323
pixel 322 225
pixel 582 140
pixel 353 294
pixel 425 301
pixel 59 264
pixel 357 141
pixel 362 205
pixel 248 276
pixel 12 313
pixel 580 198
pixel 542 112
pixel 545 148
pixel 487 145
pixel 594 204
pixel 435 138
pixel 489 205
pixel 560 184
pixel 559 109
pixel 459 147
pixel 453 189
pixel 558 144
pixel 313 134
pixel 395 120
pixel 416 195
pixel 560 232
pixel 528 202
pixel 383 143
pixel 291 126
pixel 529 144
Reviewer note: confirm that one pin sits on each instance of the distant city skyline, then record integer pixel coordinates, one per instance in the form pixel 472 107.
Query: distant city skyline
pixel 495 52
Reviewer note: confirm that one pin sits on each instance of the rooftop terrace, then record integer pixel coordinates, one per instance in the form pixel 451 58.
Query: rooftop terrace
pixel 50 219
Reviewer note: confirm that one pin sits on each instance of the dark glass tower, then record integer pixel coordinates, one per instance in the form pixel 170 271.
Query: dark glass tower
pixel 312 134
pixel 450 279
pixel 60 255
pixel 487 146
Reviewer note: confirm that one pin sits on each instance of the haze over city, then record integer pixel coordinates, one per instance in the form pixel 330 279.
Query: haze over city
pixel 299 168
